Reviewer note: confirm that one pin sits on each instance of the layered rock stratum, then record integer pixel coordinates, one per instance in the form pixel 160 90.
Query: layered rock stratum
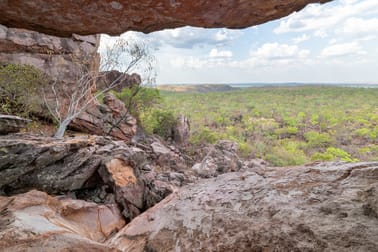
pixel 63 18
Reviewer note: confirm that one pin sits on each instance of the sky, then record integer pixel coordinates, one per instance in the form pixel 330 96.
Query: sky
pixel 335 42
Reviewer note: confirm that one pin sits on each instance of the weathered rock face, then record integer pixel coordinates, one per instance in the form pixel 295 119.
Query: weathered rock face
pixel 95 169
pixel 221 159
pixel 86 17
pixel 328 207
pixel 37 222
pixel 64 59
pixel 12 124
pixel 110 119
pixel 181 133
pixel 67 60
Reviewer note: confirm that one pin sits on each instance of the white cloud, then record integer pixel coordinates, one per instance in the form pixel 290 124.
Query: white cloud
pixel 340 50
pixel 358 26
pixel 316 17
pixel 272 51
pixel 214 53
pixel 189 37
pixel 301 39
pixel 267 55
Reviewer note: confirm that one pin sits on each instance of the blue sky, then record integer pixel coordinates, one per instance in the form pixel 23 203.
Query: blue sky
pixel 334 42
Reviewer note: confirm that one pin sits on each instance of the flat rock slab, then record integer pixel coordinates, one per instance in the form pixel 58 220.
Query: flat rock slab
pixel 328 207
pixel 65 17
pixel 12 124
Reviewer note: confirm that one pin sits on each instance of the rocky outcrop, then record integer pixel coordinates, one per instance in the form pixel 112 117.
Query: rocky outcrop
pixel 108 119
pixel 91 168
pixel 12 124
pixel 327 207
pixel 35 221
pixel 222 158
pixel 118 80
pixel 318 207
pixel 63 18
pixel 181 132
pixel 65 61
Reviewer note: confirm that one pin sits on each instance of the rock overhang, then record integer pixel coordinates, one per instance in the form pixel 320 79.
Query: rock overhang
pixel 64 17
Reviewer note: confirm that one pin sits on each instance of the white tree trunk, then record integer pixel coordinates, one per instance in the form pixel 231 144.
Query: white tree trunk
pixel 62 128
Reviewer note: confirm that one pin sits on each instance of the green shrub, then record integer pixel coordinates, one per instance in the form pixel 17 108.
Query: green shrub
pixel 333 153
pixel 286 131
pixel 139 99
pixel 205 135
pixel 286 154
pixel 20 90
pixel 159 122
pixel 316 139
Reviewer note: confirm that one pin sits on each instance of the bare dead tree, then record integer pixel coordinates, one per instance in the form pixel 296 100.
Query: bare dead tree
pixel 124 55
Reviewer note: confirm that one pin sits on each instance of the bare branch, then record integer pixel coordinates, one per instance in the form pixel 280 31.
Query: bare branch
pixel 123 55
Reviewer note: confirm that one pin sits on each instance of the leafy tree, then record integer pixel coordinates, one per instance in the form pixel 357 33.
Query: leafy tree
pixel 160 122
pixel 139 99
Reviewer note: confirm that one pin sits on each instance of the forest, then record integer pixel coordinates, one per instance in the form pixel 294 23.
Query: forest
pixel 283 125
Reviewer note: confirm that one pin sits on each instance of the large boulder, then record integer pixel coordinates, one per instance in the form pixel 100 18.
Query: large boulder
pixel 181 131
pixel 327 207
pixel 91 168
pixel 65 17
pixel 222 158
pixel 35 221
pixel 108 119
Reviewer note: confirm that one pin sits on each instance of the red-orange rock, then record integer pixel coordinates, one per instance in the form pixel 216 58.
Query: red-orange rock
pixel 325 207
pixel 114 17
pixel 35 221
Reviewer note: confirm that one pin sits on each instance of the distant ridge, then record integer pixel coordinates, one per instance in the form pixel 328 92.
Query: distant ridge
pixel 203 88
pixel 198 88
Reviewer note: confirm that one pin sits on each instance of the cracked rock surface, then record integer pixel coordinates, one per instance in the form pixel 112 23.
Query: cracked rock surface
pixel 327 207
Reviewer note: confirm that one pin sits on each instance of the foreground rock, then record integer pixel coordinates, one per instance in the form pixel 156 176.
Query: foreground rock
pixel 12 124
pixel 37 222
pixel 67 17
pixel 91 168
pixel 329 207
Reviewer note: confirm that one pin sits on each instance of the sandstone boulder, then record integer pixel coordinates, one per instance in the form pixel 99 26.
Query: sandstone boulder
pixel 221 158
pixel 12 124
pixel 35 221
pixel 91 168
pixel 83 17
pixel 327 207
pixel 181 132
pixel 110 119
